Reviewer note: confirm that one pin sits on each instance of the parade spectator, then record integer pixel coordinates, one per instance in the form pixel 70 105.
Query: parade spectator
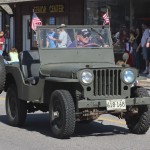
pixel 133 45
pixel 2 42
pixel 129 50
pixel 123 37
pixel 137 53
pixel 143 46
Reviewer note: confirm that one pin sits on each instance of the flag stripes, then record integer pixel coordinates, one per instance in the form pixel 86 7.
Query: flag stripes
pixel 35 22
pixel 106 19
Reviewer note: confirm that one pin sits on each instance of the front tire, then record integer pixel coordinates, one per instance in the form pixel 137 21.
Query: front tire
pixel 139 124
pixel 16 109
pixel 62 114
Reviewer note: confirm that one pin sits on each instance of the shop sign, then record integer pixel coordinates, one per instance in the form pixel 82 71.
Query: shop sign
pixel 49 9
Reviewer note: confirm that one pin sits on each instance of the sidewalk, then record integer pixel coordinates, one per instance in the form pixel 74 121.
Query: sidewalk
pixel 144 81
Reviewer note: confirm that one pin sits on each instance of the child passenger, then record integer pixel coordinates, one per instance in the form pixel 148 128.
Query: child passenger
pixel 13 55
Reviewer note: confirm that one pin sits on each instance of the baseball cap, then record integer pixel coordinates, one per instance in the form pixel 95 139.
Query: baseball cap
pixel 84 32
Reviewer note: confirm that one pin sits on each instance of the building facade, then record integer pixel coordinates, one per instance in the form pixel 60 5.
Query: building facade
pixel 17 21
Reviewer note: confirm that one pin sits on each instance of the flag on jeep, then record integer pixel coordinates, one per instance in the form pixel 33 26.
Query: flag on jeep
pixel 106 18
pixel 35 22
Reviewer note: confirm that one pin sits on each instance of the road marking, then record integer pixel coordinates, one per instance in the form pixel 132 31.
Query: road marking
pixel 111 120
pixel 2 98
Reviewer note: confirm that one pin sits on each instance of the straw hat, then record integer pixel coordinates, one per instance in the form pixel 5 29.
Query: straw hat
pixel 61 26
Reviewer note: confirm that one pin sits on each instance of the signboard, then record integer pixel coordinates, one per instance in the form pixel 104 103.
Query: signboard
pixel 49 9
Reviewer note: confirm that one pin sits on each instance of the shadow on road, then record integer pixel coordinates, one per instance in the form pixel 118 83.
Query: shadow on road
pixel 40 123
pixel 98 129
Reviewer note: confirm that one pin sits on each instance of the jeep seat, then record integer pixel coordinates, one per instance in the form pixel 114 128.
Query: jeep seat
pixel 29 65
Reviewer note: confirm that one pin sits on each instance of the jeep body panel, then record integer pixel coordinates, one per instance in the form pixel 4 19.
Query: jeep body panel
pixel 69 70
pixel 25 91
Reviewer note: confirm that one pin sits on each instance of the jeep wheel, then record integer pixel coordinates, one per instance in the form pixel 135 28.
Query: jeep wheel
pixel 2 74
pixel 139 124
pixel 62 114
pixel 16 109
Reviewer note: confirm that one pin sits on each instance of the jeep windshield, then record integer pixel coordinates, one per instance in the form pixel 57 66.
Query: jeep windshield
pixel 50 37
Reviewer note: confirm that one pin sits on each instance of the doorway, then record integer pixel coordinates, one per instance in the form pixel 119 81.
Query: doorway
pixel 26 32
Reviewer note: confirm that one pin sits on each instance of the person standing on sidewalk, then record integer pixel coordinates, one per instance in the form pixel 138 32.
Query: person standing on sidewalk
pixel 144 49
pixel 2 42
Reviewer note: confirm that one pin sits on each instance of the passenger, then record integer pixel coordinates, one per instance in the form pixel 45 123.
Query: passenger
pixel 51 39
pixel 13 55
pixel 57 36
pixel 62 40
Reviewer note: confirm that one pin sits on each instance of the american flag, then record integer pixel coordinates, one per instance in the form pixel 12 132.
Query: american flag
pixel 106 19
pixel 35 22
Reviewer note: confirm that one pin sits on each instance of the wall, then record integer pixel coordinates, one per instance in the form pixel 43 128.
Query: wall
pixel 76 12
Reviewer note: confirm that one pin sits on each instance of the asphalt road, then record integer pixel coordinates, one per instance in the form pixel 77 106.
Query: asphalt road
pixel 107 133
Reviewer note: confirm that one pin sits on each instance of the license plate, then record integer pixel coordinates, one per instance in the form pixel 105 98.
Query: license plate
pixel 116 104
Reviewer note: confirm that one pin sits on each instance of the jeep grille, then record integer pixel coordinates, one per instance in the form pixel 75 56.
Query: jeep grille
pixel 107 82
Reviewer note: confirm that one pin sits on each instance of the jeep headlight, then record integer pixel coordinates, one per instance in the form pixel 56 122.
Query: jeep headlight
pixel 128 76
pixel 86 77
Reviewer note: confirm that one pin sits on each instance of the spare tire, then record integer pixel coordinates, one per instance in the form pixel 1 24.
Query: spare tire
pixel 2 74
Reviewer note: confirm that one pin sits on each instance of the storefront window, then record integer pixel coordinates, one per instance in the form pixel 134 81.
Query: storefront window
pixel 51 21
pixel 117 11
pixel 94 11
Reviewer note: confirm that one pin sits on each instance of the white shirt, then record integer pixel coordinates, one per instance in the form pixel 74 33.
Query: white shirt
pixel 13 56
pixel 145 37
pixel 63 38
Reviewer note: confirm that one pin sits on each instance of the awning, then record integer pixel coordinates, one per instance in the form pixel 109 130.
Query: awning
pixel 3 4
pixel 7 8
pixel 14 1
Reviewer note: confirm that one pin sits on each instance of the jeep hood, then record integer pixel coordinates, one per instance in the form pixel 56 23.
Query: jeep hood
pixel 69 70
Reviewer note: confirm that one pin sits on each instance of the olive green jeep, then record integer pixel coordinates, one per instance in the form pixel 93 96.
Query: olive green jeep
pixel 73 76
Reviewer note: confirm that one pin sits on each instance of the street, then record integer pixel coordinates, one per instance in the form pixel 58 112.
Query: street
pixel 108 132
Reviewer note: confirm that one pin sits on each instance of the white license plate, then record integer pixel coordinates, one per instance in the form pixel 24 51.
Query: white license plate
pixel 116 104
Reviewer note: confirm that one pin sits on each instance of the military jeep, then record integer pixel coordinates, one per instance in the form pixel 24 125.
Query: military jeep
pixel 76 82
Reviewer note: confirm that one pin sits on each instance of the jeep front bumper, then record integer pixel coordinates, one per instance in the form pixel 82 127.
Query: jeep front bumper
pixel 102 103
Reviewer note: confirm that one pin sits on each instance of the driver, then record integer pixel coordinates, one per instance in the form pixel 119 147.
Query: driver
pixel 83 39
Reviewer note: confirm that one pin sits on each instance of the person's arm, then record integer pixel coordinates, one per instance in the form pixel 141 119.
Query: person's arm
pixel 59 40
pixel 47 43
